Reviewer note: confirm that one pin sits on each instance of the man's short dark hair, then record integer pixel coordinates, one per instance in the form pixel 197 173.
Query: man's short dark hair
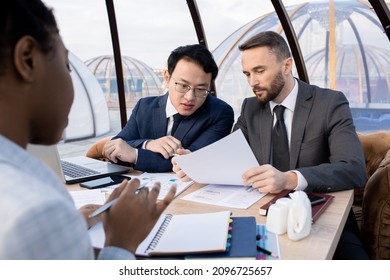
pixel 196 53
pixel 269 39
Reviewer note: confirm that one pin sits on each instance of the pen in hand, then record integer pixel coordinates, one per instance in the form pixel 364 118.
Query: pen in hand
pixel 107 206
pixel 103 208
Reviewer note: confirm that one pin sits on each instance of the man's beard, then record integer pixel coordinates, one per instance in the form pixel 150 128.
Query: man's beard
pixel 276 87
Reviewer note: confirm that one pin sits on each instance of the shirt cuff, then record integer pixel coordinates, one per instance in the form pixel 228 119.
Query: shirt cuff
pixel 302 183
pixel 115 253
pixel 136 156
pixel 144 144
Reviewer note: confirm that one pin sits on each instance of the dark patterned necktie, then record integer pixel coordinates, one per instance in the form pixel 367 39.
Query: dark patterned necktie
pixel 177 118
pixel 280 150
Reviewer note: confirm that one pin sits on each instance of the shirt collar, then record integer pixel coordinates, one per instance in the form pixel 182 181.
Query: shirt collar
pixel 170 110
pixel 21 159
pixel 290 100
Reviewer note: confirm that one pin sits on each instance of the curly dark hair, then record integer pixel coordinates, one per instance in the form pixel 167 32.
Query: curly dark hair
pixel 20 18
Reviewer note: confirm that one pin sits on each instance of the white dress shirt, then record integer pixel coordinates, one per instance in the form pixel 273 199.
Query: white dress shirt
pixel 169 111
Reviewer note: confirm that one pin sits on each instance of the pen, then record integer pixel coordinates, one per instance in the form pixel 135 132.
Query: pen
pixel 103 208
pixel 249 189
pixel 265 251
pixel 107 206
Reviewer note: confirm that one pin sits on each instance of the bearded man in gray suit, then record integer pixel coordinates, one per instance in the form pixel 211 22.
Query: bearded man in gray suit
pixel 324 153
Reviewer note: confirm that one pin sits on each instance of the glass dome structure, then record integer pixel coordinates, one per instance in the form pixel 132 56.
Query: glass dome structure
pixel 88 115
pixel 139 79
pixel 344 48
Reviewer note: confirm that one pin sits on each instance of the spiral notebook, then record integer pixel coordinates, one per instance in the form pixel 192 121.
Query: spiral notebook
pixel 179 234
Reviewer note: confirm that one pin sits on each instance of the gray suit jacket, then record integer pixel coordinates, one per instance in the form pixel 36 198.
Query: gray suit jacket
pixel 324 145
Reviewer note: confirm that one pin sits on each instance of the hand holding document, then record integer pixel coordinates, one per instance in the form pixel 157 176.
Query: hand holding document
pixel 222 162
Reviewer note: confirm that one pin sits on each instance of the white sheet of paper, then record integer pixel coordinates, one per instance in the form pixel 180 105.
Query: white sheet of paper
pixel 222 162
pixel 225 195
pixel 166 180
pixel 84 197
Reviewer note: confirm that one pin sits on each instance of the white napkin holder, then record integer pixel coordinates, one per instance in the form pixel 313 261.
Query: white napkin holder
pixel 277 216
pixel 299 216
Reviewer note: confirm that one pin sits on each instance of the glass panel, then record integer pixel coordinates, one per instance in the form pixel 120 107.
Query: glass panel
pixel 361 58
pixel 149 30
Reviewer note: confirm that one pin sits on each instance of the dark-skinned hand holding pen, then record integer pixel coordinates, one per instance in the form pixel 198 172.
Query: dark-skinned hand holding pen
pixel 130 219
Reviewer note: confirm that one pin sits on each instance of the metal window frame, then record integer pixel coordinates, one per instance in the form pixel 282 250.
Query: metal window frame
pixel 379 6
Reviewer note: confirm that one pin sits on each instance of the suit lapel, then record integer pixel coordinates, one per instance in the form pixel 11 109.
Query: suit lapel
pixel 187 123
pixel 184 126
pixel 159 118
pixel 301 115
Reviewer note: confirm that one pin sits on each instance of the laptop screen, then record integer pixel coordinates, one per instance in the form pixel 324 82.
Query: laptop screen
pixel 82 168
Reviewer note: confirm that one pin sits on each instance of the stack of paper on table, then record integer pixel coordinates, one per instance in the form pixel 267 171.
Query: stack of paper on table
pixel 179 234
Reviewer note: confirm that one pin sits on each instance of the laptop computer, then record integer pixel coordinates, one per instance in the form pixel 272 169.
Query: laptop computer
pixel 75 169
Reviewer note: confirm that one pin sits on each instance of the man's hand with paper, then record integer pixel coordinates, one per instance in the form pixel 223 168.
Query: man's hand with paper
pixel 230 161
pixel 176 168
pixel 223 162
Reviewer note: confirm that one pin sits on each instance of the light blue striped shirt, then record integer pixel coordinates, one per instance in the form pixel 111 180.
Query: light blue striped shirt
pixel 38 219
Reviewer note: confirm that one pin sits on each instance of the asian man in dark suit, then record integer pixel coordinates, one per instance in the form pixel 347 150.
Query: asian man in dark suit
pixel 150 137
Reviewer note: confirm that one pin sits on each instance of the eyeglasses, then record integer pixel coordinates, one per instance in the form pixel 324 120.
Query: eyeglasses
pixel 184 88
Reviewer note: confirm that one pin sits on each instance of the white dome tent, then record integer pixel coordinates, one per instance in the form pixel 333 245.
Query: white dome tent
pixel 88 116
pixel 139 79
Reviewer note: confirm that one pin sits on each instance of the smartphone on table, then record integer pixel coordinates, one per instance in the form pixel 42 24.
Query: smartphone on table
pixel 104 182
pixel 314 198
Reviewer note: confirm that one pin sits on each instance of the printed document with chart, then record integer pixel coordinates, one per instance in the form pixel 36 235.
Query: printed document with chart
pixel 165 179
pixel 221 165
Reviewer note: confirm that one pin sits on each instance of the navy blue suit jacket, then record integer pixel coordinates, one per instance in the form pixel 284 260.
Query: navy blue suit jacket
pixel 211 122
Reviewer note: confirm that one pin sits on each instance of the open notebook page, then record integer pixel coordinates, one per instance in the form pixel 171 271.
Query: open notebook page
pixel 187 233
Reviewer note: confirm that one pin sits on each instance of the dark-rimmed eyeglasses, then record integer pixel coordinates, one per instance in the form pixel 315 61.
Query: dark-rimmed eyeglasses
pixel 184 88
